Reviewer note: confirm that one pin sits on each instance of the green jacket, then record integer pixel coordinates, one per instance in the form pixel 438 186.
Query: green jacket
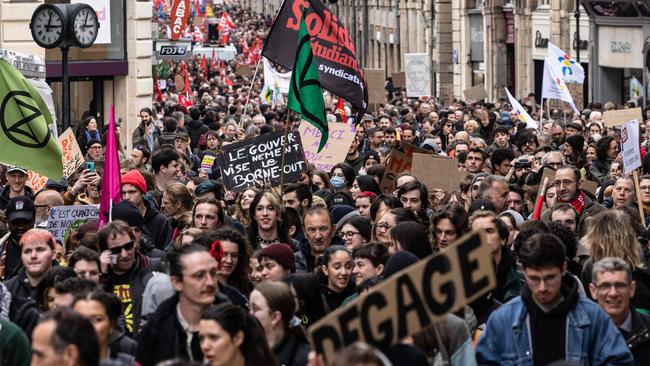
pixel 14 346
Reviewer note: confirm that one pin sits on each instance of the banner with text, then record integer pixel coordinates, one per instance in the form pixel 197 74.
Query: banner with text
pixel 336 148
pixel 72 156
pixel 411 299
pixel 179 15
pixel 333 48
pixel 65 219
pixel 631 149
pixel 257 162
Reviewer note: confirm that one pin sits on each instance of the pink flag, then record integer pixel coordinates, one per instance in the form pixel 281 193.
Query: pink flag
pixel 111 187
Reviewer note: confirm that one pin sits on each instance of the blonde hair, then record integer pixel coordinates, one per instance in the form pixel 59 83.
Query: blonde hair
pixel 611 233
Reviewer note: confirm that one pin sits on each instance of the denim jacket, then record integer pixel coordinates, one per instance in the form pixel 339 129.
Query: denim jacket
pixel 592 339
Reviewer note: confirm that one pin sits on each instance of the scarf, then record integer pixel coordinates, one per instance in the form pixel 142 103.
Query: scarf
pixel 579 203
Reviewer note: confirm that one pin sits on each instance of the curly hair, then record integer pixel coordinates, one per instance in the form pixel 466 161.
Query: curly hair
pixel 239 276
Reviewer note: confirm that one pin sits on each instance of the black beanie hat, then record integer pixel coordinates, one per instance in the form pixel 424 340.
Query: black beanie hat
pixel 127 211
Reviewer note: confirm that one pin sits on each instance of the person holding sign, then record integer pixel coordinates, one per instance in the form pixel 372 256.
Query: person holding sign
pixel 550 320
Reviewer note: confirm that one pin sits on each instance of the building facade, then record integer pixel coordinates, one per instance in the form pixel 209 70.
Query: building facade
pixel 497 43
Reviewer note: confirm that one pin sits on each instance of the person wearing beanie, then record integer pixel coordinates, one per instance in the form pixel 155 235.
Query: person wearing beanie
pixel 95 150
pixel 398 262
pixel 155 223
pixel 126 211
pixel 277 262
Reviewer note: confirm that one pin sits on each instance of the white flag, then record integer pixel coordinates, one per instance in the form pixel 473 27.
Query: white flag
pixel 523 115
pixel 553 87
pixel 564 66
pixel 274 79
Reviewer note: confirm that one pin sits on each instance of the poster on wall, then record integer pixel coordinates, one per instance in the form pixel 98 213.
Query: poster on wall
pixel 418 78
pixel 103 10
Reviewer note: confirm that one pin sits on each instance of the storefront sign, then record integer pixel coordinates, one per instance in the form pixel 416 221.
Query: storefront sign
pixel 173 51
pixel 620 47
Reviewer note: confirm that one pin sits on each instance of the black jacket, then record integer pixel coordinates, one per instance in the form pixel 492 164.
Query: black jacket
pixel 142 268
pixel 21 311
pixel 638 340
pixel 163 338
pixel 195 129
pixel 20 286
pixel 291 351
pixel 4 196
pixel 158 227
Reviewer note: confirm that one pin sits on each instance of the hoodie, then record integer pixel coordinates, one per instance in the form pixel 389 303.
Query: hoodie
pixel 548 329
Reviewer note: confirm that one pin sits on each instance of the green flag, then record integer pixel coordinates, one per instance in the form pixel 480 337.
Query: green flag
pixel 305 94
pixel 25 139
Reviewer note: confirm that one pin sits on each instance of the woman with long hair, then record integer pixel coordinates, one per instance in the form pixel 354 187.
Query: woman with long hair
pixel 412 237
pixel 243 204
pixel 613 233
pixel 606 152
pixel 336 270
pixel 176 201
pixel 230 336
pixel 311 303
pixel 103 310
pixel 267 224
pixel 274 306
pixel 234 263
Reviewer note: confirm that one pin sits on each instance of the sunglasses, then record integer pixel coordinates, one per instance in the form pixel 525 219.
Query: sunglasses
pixel 117 250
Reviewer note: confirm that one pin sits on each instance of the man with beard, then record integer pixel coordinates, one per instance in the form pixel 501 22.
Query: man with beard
pixel 139 159
pixel 20 218
pixel 567 186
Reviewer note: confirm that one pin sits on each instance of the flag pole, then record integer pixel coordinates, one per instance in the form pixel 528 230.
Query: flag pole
pixel 284 145
pixel 541 113
pixel 249 92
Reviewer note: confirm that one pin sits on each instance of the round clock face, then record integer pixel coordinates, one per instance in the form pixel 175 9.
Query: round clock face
pixel 47 27
pixel 85 27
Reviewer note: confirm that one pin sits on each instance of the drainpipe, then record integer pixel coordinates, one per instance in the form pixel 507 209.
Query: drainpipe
pixel 365 33
pixel 398 40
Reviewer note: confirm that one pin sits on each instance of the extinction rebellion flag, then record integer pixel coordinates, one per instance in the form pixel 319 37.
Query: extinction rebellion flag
pixel 333 48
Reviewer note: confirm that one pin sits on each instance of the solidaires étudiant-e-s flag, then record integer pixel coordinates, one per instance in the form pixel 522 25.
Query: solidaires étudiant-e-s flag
pixel 25 138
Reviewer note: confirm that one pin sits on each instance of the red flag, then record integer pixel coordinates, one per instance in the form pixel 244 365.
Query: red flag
pixel 204 66
pixel 180 14
pixel 340 110
pixel 256 50
pixel 184 101
pixel 244 48
pixel 111 181
pixel 213 60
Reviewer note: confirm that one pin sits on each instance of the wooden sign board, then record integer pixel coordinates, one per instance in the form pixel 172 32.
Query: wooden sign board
pixel 399 160
pixel 477 92
pixel 437 172
pixel 376 85
pixel 620 116
pixel 399 79
pixel 411 299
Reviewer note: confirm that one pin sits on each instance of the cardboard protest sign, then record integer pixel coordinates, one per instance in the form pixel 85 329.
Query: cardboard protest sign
pixel 336 149
pixel 446 176
pixel 376 86
pixel 620 116
pixel 258 161
pixel 589 186
pixel 411 299
pixel 35 181
pixel 477 92
pixel 631 150
pixel 65 219
pixel 577 93
pixel 72 156
pixel 399 79
pixel 399 160
pixel 418 77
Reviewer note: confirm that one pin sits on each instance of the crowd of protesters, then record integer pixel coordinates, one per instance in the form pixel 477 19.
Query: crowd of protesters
pixel 191 272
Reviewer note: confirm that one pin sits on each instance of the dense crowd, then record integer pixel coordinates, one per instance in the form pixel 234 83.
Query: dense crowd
pixel 190 272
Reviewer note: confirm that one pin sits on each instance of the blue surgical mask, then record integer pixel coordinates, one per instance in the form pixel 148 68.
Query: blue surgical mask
pixel 337 182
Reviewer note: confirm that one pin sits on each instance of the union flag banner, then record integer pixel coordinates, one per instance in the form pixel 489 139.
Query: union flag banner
pixel 333 48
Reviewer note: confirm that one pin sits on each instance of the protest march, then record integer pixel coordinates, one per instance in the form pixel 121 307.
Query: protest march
pixel 285 206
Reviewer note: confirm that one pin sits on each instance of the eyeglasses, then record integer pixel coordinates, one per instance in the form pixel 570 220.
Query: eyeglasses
pixel 349 234
pixel 117 250
pixel 607 286
pixel 548 280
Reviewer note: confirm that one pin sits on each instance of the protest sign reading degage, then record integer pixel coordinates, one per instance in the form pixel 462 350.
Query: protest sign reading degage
pixel 258 161
pixel 71 155
pixel 336 148
pixel 64 219
pixel 411 299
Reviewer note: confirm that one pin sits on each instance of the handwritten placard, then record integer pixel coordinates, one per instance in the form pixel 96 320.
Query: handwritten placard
pixel 399 160
pixel 72 156
pixel 259 161
pixel 341 136
pixel 35 181
pixel 65 219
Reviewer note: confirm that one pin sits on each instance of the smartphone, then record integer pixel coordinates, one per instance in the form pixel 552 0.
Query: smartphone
pixel 114 258
pixel 90 165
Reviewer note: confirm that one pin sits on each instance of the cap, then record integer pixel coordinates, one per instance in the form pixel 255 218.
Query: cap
pixel 126 211
pixel 281 253
pixel 60 185
pixel 136 179
pixel 575 125
pixel 340 198
pixel 20 207
pixel 398 262
pixel 183 136
pixel 16 169
pixel 92 142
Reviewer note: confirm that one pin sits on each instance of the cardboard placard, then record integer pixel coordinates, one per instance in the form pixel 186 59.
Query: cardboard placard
pixel 577 94
pixel 589 186
pixel 64 219
pixel 631 150
pixel 336 149
pixel 411 299
pixel 399 160
pixel 399 79
pixel 244 70
pixel 35 181
pixel 620 116
pixel 71 156
pixel 477 92
pixel 446 176
pixel 376 85
pixel 258 161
